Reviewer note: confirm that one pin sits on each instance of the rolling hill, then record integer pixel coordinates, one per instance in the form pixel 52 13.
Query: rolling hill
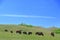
pixel 13 36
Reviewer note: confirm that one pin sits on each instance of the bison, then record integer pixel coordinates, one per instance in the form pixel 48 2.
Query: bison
pixel 29 33
pixel 11 31
pixel 6 30
pixel 39 33
pixel 24 32
pixel 52 34
pixel 18 31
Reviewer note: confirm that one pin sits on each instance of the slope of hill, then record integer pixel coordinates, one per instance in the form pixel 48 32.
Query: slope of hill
pixel 13 36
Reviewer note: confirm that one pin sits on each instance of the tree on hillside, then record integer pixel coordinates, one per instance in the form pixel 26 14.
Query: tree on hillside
pixel 23 24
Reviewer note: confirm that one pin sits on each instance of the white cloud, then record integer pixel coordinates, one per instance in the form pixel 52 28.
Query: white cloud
pixel 26 16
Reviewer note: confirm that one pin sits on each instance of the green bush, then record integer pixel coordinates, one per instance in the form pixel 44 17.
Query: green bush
pixel 57 31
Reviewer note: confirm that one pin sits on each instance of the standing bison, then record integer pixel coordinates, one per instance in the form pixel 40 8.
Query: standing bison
pixel 29 33
pixel 6 30
pixel 18 31
pixel 24 32
pixel 39 33
pixel 52 34
pixel 11 31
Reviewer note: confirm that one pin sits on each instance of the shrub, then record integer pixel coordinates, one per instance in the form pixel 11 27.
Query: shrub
pixel 57 31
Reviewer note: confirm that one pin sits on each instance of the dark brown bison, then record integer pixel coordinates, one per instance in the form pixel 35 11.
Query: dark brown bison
pixel 11 31
pixel 39 33
pixel 18 31
pixel 6 30
pixel 52 34
pixel 29 33
pixel 24 32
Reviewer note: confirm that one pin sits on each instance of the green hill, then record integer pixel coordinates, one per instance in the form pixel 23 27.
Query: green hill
pixel 13 36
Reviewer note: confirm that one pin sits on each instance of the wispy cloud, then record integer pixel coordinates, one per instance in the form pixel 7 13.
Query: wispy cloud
pixel 26 16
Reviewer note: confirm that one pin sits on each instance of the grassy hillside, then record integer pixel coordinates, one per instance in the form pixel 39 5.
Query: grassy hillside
pixel 13 36
pixel 57 31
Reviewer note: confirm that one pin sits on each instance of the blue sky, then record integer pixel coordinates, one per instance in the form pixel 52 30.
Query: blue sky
pixel 44 13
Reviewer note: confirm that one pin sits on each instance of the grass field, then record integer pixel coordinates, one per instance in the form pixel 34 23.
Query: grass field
pixel 13 36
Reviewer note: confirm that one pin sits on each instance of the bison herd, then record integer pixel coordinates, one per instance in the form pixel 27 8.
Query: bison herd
pixel 29 33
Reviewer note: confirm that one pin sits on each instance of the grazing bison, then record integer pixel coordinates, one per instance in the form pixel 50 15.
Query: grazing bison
pixel 52 34
pixel 18 31
pixel 39 33
pixel 24 32
pixel 11 31
pixel 29 33
pixel 6 30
